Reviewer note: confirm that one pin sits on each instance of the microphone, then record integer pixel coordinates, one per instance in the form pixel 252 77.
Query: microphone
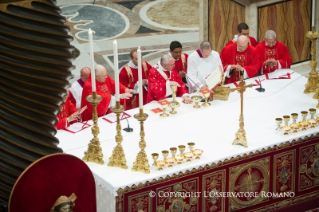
pixel 128 128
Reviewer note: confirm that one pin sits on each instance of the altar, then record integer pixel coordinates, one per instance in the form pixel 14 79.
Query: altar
pixel 276 170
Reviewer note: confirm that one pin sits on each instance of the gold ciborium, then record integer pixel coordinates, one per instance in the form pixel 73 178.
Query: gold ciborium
pixel 278 121
pixel 294 126
pixel 286 128
pixel 165 154
pixel 304 124
pixel 155 157
pixel 160 164
pixel 312 121
pixel 196 99
pixel 181 149
pixel 188 156
pixel 174 89
pixel 173 151
pixel 191 146
pixel 206 94
pixel 179 158
pixel 197 153
pixel 164 103
pixel 173 105
pixel 170 161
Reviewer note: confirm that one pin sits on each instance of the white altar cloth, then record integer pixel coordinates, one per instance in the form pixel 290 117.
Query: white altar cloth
pixel 212 129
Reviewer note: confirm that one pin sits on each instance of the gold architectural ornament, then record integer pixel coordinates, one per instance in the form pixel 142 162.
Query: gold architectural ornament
pixel 94 152
pixel 118 157
pixel 141 163
pixel 312 84
pixel 241 134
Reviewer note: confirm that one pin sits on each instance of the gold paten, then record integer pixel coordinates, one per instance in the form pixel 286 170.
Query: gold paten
pixel 241 134
pixel 141 163
pixel 94 152
pixel 118 157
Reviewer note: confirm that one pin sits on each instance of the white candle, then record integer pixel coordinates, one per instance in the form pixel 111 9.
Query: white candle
pixel 313 13
pixel 92 61
pixel 140 82
pixel 116 71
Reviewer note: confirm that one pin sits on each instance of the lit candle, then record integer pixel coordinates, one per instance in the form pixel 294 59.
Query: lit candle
pixel 140 82
pixel 313 13
pixel 116 71
pixel 92 61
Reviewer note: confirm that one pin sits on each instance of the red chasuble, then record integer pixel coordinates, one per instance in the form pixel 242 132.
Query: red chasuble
pixel 67 109
pixel 105 89
pixel 278 52
pixel 248 59
pixel 252 41
pixel 181 63
pixel 157 84
pixel 128 77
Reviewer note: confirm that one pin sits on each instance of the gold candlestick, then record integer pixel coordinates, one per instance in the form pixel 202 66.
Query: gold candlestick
pixel 94 152
pixel 118 157
pixel 141 162
pixel 241 134
pixel 311 85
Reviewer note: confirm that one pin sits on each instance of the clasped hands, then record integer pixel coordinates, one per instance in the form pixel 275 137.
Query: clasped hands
pixel 186 98
pixel 76 114
pixel 237 68
pixel 271 62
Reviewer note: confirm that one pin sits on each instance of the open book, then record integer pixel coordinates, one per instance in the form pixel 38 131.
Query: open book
pixel 215 78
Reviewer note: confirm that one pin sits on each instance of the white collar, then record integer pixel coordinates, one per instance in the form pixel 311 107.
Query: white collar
pixel 131 64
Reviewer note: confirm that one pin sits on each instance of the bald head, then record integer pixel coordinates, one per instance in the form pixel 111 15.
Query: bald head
pixel 100 73
pixel 242 43
pixel 85 73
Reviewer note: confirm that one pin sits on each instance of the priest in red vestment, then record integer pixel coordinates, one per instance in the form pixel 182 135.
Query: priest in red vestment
pixel 69 114
pixel 175 50
pixel 273 54
pixel 129 78
pixel 239 58
pixel 162 77
pixel 105 86
pixel 243 29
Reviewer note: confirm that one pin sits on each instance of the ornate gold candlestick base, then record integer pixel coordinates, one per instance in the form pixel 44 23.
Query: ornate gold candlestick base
pixel 311 85
pixel 118 157
pixel 241 134
pixel 94 152
pixel 141 162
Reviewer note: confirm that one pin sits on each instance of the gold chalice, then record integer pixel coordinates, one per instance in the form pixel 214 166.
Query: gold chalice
pixel 286 128
pixel 173 151
pixel 181 149
pixel 164 104
pixel 312 121
pixel 155 157
pixel 206 94
pixel 179 158
pixel 160 164
pixel 188 156
pixel 174 89
pixel 197 153
pixel 304 124
pixel 173 105
pixel 191 146
pixel 196 99
pixel 278 121
pixel 294 126
pixel 165 154
pixel 170 161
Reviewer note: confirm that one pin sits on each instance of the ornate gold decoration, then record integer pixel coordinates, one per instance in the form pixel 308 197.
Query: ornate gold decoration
pixel 94 152
pixel 250 177
pixel 141 163
pixel 241 134
pixel 140 202
pixel 311 85
pixel 221 93
pixel 284 172
pixel 118 156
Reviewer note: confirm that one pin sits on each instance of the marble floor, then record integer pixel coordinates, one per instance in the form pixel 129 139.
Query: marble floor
pixel 151 24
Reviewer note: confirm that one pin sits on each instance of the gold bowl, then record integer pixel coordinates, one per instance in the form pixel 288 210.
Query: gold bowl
pixel 188 156
pixel 179 159
pixel 312 122
pixel 197 153
pixel 170 161
pixel 285 129
pixel 196 99
pixel 160 164
pixel 304 124
pixel 295 127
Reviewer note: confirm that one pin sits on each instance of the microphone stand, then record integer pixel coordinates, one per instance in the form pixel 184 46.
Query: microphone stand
pixel 260 89
pixel 127 129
